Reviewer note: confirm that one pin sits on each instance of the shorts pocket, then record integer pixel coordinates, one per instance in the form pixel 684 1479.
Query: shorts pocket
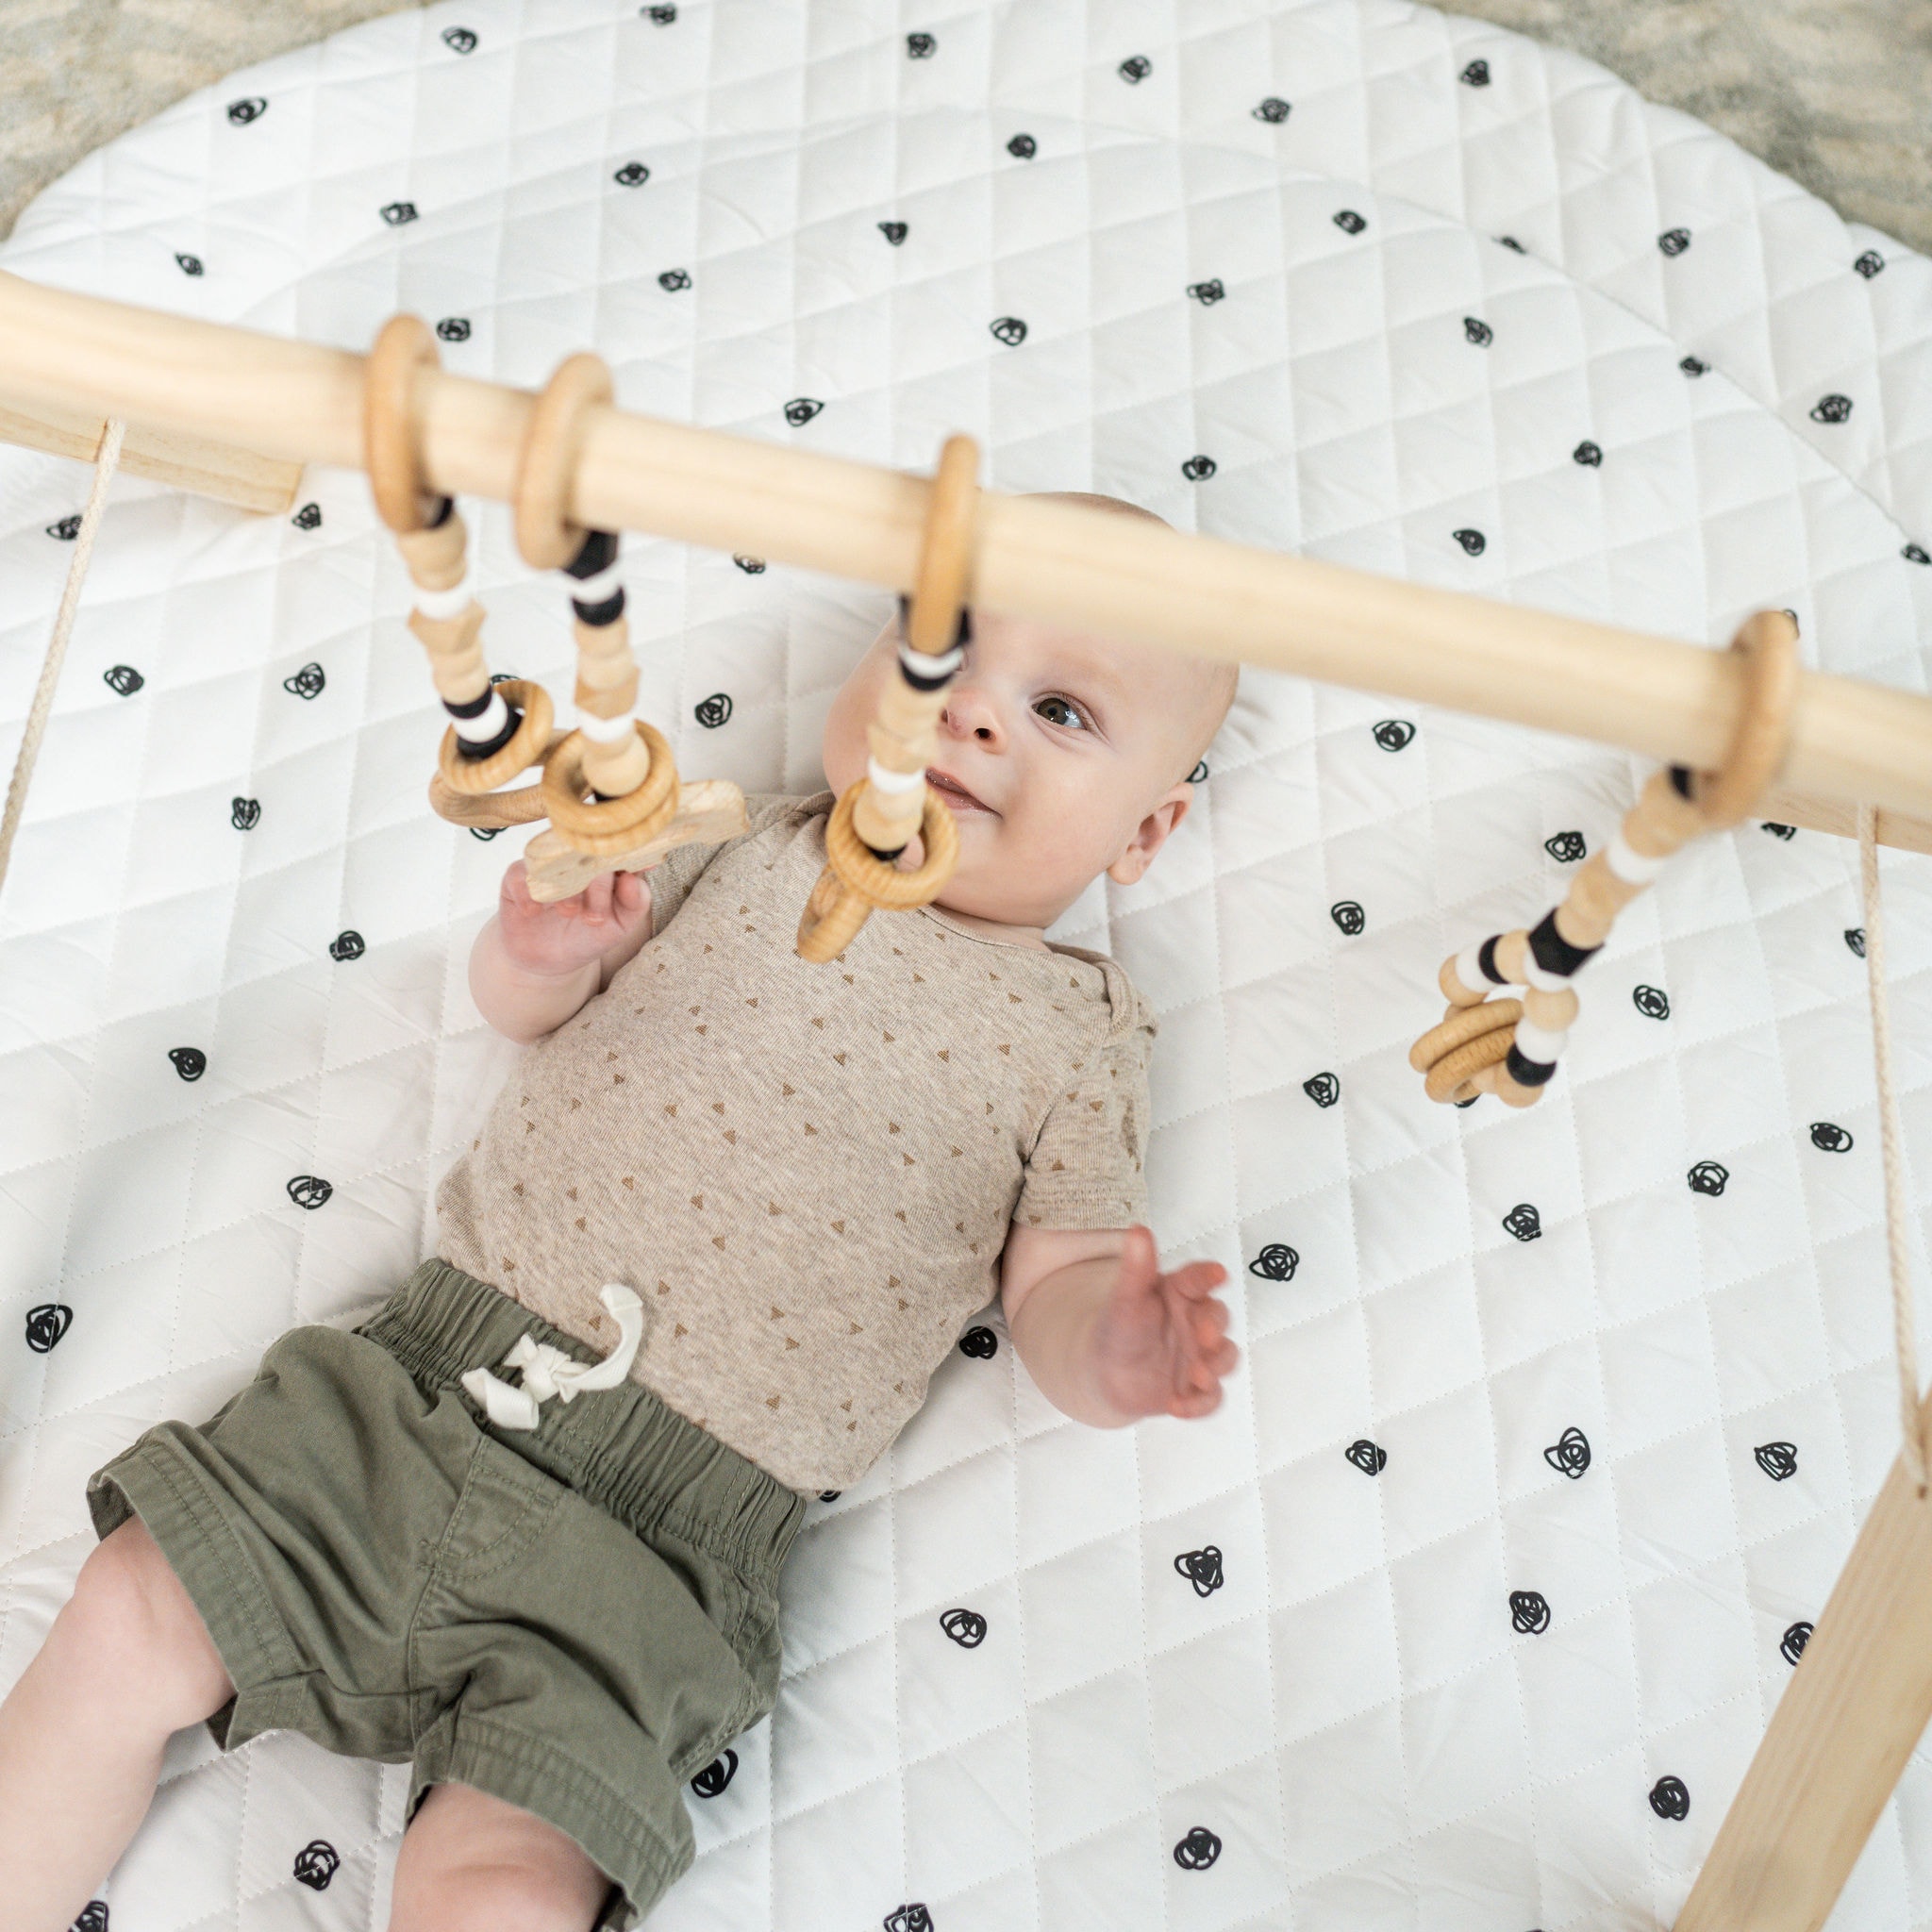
pixel 503 1510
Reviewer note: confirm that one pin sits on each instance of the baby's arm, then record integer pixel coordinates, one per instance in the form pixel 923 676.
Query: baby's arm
pixel 534 965
pixel 1107 1336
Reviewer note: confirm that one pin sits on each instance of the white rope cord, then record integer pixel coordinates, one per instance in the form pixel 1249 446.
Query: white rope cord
pixel 1891 1141
pixel 42 706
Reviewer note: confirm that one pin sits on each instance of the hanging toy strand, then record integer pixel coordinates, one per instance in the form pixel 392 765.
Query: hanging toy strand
pixel 495 730
pixel 876 817
pixel 1510 1047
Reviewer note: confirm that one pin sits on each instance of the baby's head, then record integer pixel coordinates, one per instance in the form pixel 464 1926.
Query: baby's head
pixel 1062 754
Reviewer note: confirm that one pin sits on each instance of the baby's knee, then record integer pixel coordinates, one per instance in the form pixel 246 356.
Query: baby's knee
pixel 131 1633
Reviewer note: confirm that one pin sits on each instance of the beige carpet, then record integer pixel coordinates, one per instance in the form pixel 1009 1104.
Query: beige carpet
pixel 1836 94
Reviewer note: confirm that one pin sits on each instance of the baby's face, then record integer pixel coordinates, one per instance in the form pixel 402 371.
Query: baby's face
pixel 1062 755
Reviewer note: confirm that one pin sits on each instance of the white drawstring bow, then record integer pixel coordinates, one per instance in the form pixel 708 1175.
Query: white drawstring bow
pixel 548 1372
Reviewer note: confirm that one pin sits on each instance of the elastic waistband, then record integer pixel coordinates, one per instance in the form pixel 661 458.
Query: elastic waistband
pixel 620 1448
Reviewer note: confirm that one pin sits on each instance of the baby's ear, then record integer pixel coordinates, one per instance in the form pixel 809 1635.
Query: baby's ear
pixel 1150 835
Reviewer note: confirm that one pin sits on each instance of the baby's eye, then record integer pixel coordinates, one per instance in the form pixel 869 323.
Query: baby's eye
pixel 1061 712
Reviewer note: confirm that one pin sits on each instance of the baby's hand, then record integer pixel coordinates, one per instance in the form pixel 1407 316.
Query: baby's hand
pixel 559 938
pixel 1160 1342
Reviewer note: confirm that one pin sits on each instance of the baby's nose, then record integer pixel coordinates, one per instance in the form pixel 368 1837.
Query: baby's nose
pixel 969 713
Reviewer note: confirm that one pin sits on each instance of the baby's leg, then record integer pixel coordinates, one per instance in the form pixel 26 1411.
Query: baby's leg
pixel 127 1663
pixel 471 1862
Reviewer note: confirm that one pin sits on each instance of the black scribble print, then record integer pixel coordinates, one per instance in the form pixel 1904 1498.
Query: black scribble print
pixel 486 833
pixel 123 680
pixel 1587 454
pixel 1135 69
pixel 1566 848
pixel 1832 409
pixel 1480 333
pixel 459 40
pixel 979 1344
pixel 1198 469
pixel 1674 240
pixel 1523 1222
pixel 1694 365
pixel 1370 1458
pixel 1915 553
pixel 190 264
pixel 673 280
pixel 93 1916
pixel 1855 937
pixel 1273 109
pixel 830 1495
pixel 1868 264
pixel 316 1862
pixel 1009 329
pixel 912 1918
pixel 662 16
pixel 1349 916
pixel 310 1190
pixel 1510 241
pixel 1791 1644
pixel 714 710
pixel 1348 221
pixel 632 175
pixel 1829 1138
pixel 1325 1089
pixel 801 410
pixel 712 1780
pixel 920 46
pixel 1207 294
pixel 1199 774
pixel 399 213
pixel 1778 832
pixel 1475 74
pixel 250 107
pixel 1779 1460
pixel 453 329
pixel 1669 1799
pixel 245 814
pixel 1569 1455
pixel 894 232
pixel 306 683
pixel 346 945
pixel 1528 1613
pixel 1708 1177
pixel 189 1061
pixel 66 530
pixel 751 566
pixel 967 1629
pixel 1395 733
pixel 308 517
pixel 1202 1568
pixel 46 1324
pixel 1278 1262
pixel 1472 540
pixel 1653 1002
pixel 1198 1849
pixel 1022 147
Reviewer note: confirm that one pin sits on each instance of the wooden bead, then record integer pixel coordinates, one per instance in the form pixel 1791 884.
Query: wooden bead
pixel 1512 950
pixel 435 558
pixel 1552 1011
pixel 1453 989
pixel 1511 1092
pixel 615 771
pixel 1597 896
pixel 1660 823
pixel 887 820
pixel 455 654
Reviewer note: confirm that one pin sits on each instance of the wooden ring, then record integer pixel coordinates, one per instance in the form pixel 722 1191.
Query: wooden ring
pixel 1449 1072
pixel 946 557
pixel 471 776
pixel 876 880
pixel 609 827
pixel 1466 1022
pixel 391 444
pixel 832 920
pixel 1768 641
pixel 546 466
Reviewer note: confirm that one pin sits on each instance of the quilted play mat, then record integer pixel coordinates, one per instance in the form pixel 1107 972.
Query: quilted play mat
pixel 1466 1610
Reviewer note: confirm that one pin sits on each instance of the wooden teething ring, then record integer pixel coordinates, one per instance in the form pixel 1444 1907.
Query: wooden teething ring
pixel 546 469
pixel 474 775
pixel 1768 642
pixel 389 442
pixel 609 827
pixel 856 880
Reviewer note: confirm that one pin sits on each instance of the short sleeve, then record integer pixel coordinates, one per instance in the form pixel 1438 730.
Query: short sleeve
pixel 1088 1165
pixel 679 870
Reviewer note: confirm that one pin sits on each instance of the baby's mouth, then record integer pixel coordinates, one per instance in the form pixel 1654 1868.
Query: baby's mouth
pixel 954 793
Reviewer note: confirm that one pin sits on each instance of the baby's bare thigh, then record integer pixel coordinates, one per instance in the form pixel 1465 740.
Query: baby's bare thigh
pixel 130 1615
pixel 471 1862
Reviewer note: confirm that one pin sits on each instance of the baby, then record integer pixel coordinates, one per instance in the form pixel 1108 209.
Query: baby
pixel 522 1528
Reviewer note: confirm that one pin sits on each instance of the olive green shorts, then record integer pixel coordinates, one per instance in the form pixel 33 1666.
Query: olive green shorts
pixel 574 1618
